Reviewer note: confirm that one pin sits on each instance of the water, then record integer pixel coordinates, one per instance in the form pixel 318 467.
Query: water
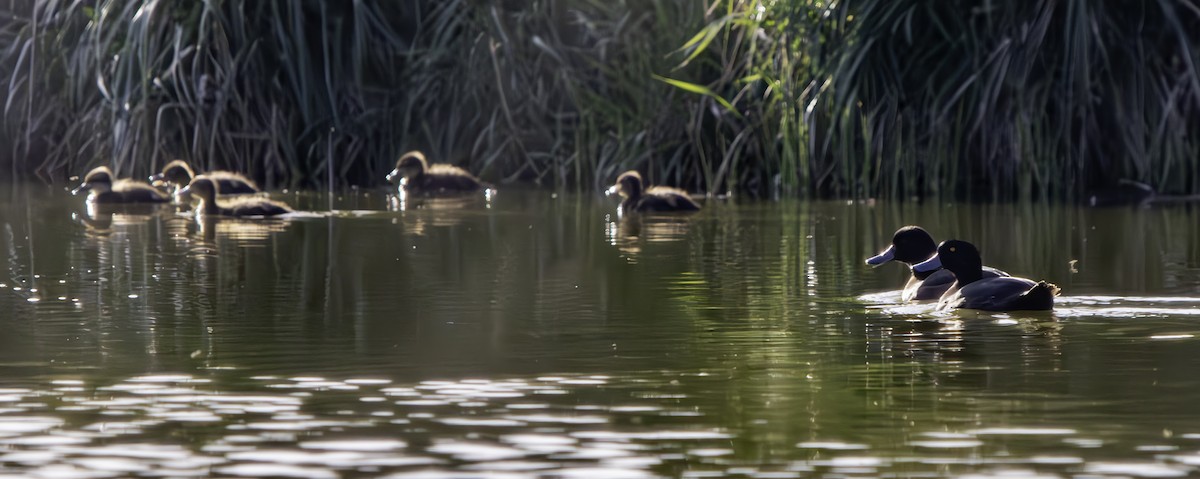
pixel 541 336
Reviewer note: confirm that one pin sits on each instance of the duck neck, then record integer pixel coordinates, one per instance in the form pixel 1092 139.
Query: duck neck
pixel 208 206
pixel 633 194
pixel 920 275
pixel 101 187
pixel 422 169
pixel 969 275
pixel 635 191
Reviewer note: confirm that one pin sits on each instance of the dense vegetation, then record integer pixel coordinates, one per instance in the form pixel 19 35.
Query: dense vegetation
pixel 981 98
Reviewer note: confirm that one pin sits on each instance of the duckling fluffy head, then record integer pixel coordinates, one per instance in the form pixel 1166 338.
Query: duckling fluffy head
pixel 202 187
pixel 409 165
pixel 628 185
pixel 98 180
pixel 177 172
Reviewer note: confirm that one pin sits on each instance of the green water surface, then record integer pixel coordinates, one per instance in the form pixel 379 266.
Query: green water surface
pixel 539 335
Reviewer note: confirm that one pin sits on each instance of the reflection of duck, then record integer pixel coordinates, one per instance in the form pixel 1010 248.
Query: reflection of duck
pixel 973 291
pixel 912 245
pixel 103 189
pixel 655 198
pixel 179 174
pixel 629 233
pixel 403 201
pixel 100 218
pixel 241 231
pixel 206 190
pixel 418 177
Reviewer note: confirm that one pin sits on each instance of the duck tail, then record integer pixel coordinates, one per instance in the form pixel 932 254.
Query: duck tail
pixel 1039 297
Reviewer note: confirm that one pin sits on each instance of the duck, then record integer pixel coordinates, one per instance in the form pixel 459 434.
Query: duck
pixel 103 189
pixel 911 245
pixel 207 189
pixel 179 174
pixel 654 198
pixel 417 177
pixel 972 290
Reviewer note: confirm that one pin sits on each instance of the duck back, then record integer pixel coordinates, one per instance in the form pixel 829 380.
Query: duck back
pixel 932 287
pixel 937 284
pixel 129 191
pixel 940 283
pixel 1038 298
pixel 1004 293
pixel 663 198
pixel 444 180
pixel 252 206
pixel 231 183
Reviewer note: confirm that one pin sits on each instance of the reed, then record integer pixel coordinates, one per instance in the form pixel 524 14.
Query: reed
pixel 887 98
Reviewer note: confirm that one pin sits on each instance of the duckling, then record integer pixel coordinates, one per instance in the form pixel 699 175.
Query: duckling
pixel 912 245
pixel 178 174
pixel 103 189
pixel 972 290
pixel 207 189
pixel 655 198
pixel 418 177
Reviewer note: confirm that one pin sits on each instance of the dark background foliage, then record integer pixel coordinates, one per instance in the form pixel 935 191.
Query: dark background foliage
pixel 895 98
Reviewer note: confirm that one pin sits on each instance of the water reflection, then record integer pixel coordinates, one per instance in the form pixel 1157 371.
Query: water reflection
pixel 631 231
pixel 402 201
pixel 541 338
pixel 99 219
pixel 308 426
pixel 242 231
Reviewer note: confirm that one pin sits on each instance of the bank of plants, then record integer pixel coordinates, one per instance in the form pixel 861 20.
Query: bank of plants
pixel 871 98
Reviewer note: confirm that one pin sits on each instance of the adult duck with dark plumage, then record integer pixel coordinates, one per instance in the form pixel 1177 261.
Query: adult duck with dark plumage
pixel 179 174
pixel 207 189
pixel 103 189
pixel 656 198
pixel 911 245
pixel 417 177
pixel 972 290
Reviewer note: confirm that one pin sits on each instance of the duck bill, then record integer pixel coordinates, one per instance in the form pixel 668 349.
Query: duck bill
pixel 612 190
pixel 391 177
pixel 928 266
pixel 881 258
pixel 187 190
pixel 80 189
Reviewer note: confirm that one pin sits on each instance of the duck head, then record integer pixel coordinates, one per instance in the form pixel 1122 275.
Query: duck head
pixel 957 256
pixel 409 165
pixel 910 245
pixel 99 180
pixel 628 185
pixel 176 172
pixel 202 187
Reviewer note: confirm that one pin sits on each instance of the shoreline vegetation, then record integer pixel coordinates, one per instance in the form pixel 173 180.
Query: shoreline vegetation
pixel 1051 100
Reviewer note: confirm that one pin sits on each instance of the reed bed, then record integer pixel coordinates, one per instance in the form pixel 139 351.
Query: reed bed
pixel 875 98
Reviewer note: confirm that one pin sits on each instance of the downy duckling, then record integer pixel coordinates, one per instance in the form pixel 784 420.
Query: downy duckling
pixel 179 174
pixel 655 198
pixel 912 245
pixel 972 290
pixel 207 189
pixel 104 189
pixel 416 176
